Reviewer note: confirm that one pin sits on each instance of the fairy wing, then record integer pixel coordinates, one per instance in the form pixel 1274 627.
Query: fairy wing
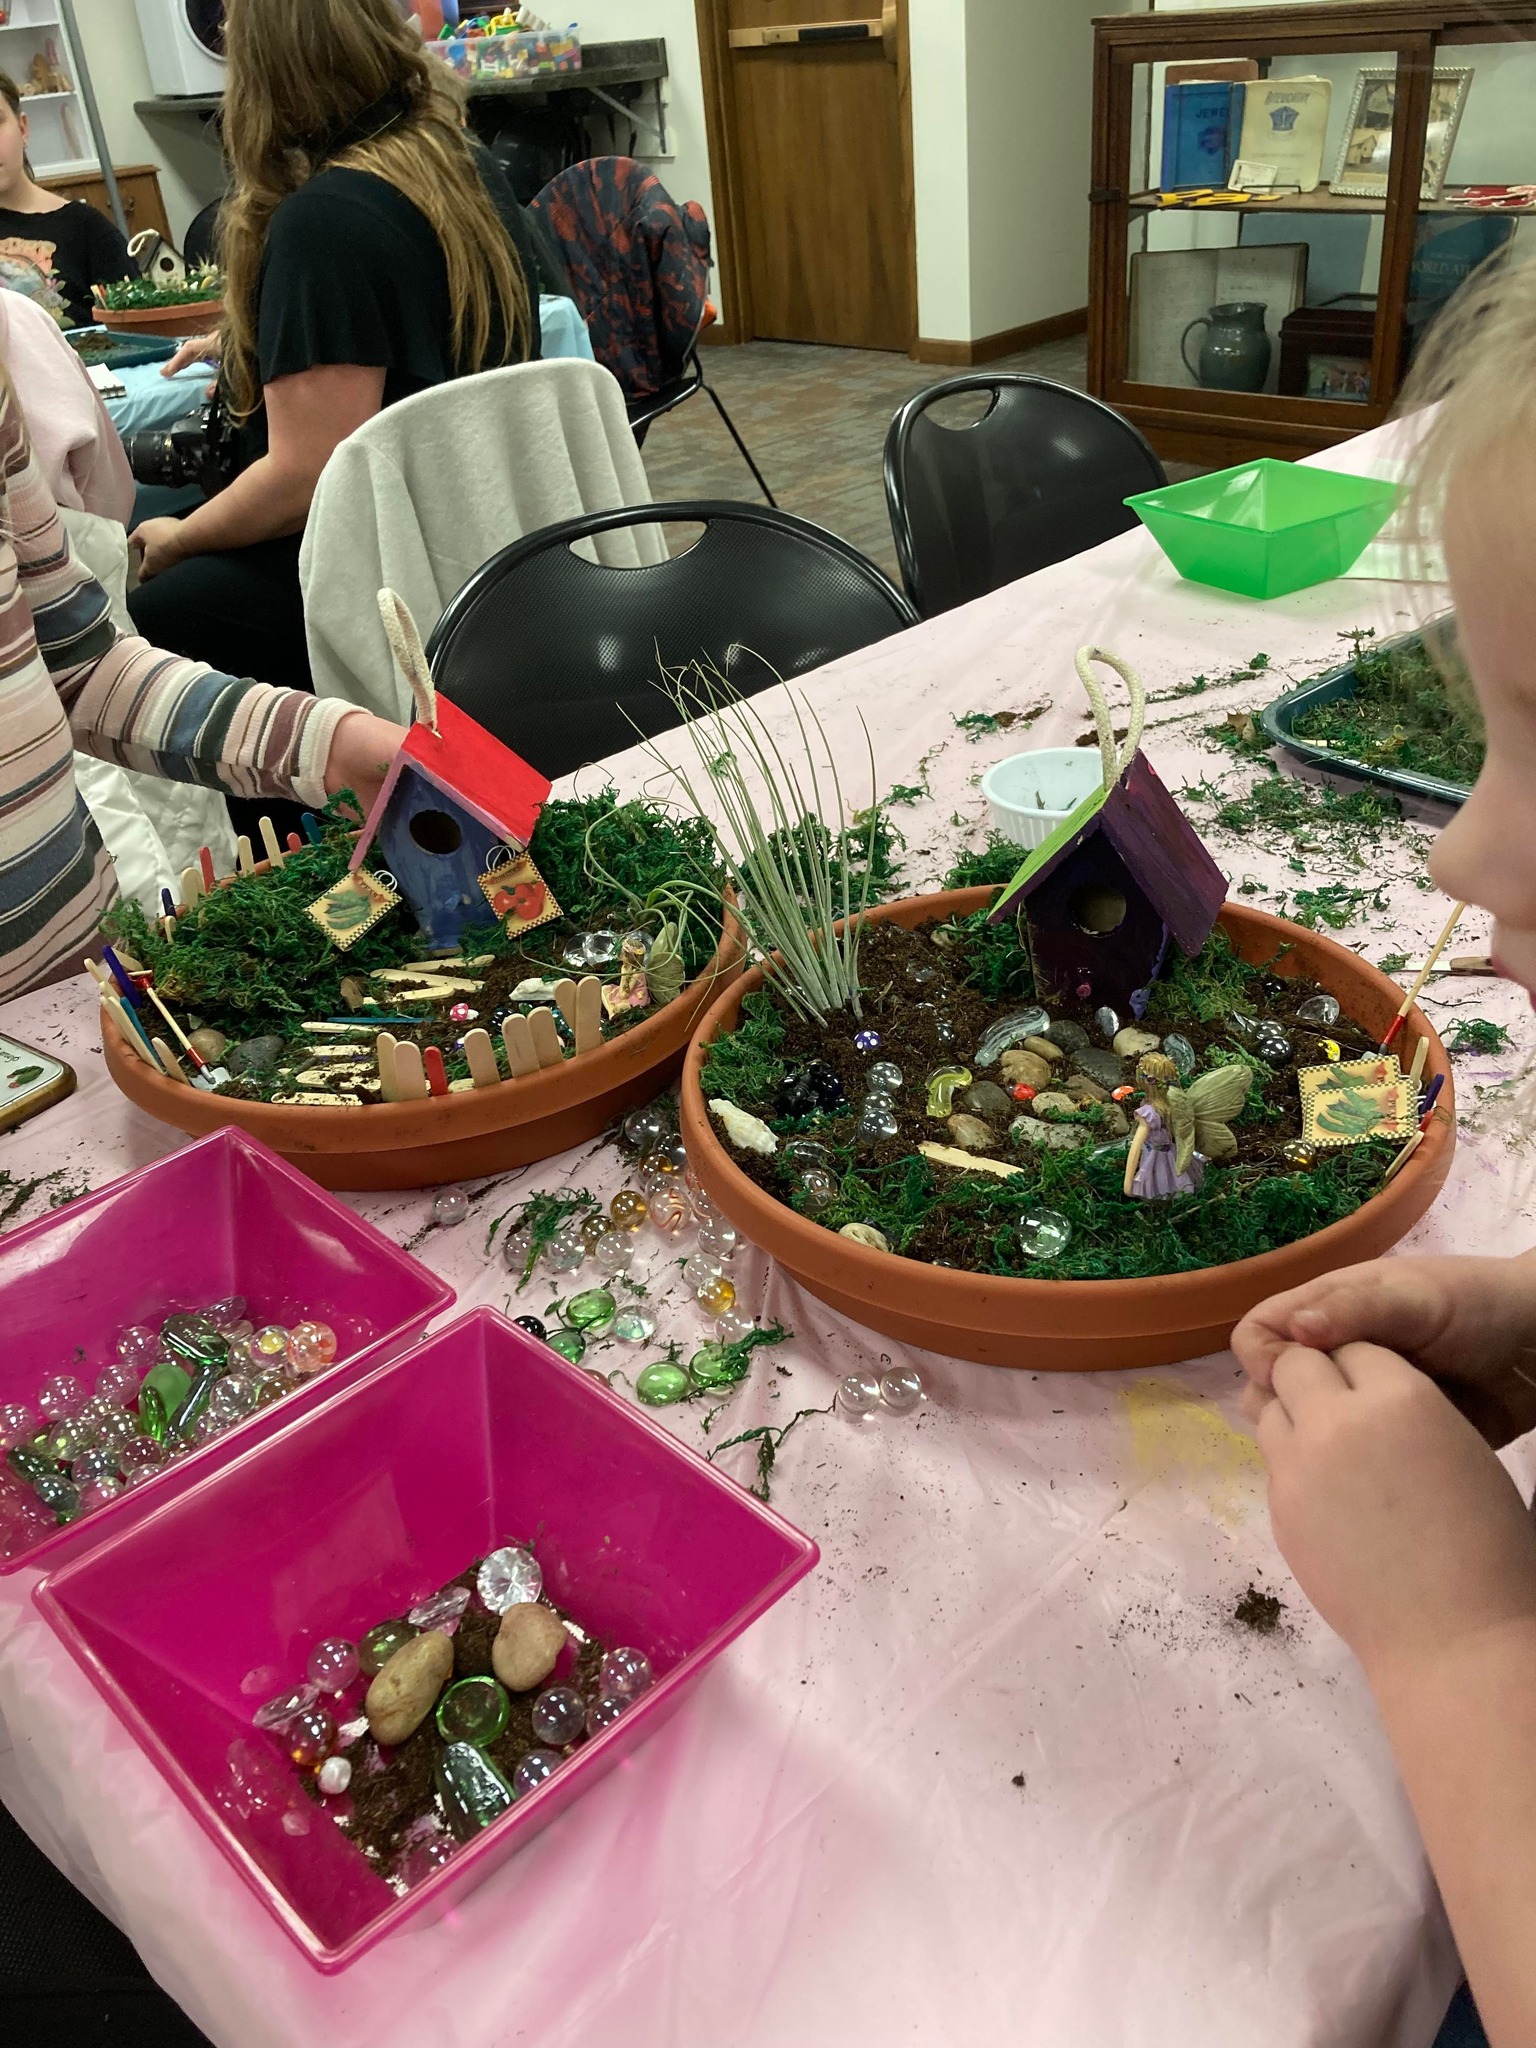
pixel 1202 1113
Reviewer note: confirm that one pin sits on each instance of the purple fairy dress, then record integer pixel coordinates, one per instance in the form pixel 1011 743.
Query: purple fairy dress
pixel 1156 1177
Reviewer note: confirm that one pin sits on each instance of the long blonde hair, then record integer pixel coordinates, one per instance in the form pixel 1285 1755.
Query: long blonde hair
pixel 302 74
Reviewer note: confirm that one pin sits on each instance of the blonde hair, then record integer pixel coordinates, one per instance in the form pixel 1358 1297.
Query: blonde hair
pixel 302 74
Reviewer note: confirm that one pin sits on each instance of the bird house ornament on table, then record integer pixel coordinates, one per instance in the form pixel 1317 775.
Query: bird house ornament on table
pixel 455 803
pixel 1119 879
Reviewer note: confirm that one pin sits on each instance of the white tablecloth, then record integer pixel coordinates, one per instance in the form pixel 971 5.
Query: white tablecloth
pixel 1003 1769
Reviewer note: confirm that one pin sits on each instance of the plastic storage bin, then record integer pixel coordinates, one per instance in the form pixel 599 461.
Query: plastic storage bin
pixel 222 1216
pixel 1029 795
pixel 481 1436
pixel 509 56
pixel 1266 527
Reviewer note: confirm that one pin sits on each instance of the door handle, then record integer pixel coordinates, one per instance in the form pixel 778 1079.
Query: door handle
pixel 808 32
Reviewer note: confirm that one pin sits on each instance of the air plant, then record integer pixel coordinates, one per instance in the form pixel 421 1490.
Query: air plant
pixel 796 894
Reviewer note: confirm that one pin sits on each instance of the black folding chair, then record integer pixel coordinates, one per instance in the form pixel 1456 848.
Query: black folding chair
pixel 561 657
pixel 642 411
pixel 1040 476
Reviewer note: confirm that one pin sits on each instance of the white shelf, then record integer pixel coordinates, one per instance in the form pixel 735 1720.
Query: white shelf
pixel 15 27
pixel 43 99
pixel 73 169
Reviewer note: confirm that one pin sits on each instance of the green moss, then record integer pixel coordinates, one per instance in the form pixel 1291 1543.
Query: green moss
pixel 1403 713
pixel 747 1065
pixel 988 867
pixel 1477 1034
pixel 1212 985
pixel 998 965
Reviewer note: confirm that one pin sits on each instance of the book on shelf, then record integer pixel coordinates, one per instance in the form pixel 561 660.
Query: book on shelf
pixel 1285 123
pixel 1201 119
pixel 1171 287
pixel 1213 67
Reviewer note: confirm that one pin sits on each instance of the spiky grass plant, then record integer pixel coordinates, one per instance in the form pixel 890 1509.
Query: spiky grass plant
pixel 786 858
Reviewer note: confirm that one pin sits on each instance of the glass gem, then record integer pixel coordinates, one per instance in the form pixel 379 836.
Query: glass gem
pixel 1299 1154
pixel 1043 1233
pixel 269 1345
pixel 100 1463
pixel 194 1339
pixel 59 1494
pixel 866 1041
pixel 335 1776
pixel 942 1084
pixel 1181 1052
pixel 559 1715
pixel 532 1325
pixel 733 1326
pixel 199 1394
pixel 1106 1022
pixel 99 1491
pixel 829 1091
pixel 902 1389
pixel 509 1577
pixel 614 1252
pixel 169 1383
pixel 634 1326
pixel 708 1367
pixel 231 1309
pixel 602 1714
pixel 1010 1030
pixel 58 1396
pixel 801 1155
pixel 717 1239
pixel 333 1664
pixel 287 1706
pixel 796 1096
pixel 1331 1049
pixel 858 1393
pixel 877 1121
pixel 625 1673
pixel 312 1345
pixel 535 1767
pixel 470 1789
pixel 886 1076
pixel 138 1345
pixel 117 1383
pixel 673 1155
pixel 646 1128
pixel 601 949
pixel 424 1858
pixel 1271 1043
pixel 475 1710
pixel 653 1177
pixel 592 1312
pixel 661 1384
pixel 310 1736
pixel 18 1423
pixel 140 1456
pixel 717 1295
pixel 564 1251
pixel 380 1644
pixel 568 1344
pixel 1321 1010
pixel 592 1227
pixel 818 1191
pixel 440 1610
pixel 152 1416
pixel 233 1396
pixel 699 1270
pixel 515 1248
pixel 670 1210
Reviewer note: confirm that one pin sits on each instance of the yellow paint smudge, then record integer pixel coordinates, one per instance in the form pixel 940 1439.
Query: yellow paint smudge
pixel 1181 1440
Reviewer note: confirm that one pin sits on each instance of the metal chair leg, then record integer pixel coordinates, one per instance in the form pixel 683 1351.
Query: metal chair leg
pixel 746 454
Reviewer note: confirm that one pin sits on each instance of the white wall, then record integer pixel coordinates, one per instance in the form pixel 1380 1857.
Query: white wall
pixel 190 166
pixel 938 30
pixel 684 170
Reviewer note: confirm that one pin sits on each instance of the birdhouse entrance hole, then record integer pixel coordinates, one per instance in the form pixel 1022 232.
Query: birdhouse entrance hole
pixel 436 832
pixel 1096 910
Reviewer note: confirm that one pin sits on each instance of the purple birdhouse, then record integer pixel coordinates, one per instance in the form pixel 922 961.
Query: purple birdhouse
pixel 1100 900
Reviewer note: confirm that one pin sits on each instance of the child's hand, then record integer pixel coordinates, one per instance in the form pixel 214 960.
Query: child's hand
pixel 1402 1527
pixel 1469 1323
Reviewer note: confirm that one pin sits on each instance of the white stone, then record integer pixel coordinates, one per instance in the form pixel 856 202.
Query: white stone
pixel 746 1133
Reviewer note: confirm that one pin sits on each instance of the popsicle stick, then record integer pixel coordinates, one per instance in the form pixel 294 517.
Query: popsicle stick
pixel 99 975
pixel 192 890
pixel 588 1021
pixel 1424 973
pixel 517 1039
pixel 295 843
pixel 269 840
pixel 565 996
pixel 205 862
pixel 481 1055
pixel 410 1073
pixel 1403 1158
pixel 245 860
pixel 546 1039
pixel 1420 1055
pixel 167 1059
pixel 384 1050
pixel 126 1030
pixel 436 1072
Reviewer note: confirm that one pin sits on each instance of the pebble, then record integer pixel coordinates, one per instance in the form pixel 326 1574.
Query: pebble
pixel 989 1102
pixel 1024 1130
pixel 1027 1069
pixel 403 1694
pixel 1069 1036
pixel 335 1775
pixel 1104 1067
pixel 527 1647
pixel 866 1233
pixel 1044 1048
pixel 1082 1088
pixel 746 1133
pixel 211 1043
pixel 971 1134
pixel 1132 1042
pixel 1053 1103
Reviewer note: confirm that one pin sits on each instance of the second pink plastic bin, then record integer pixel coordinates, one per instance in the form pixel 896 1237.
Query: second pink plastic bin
pixel 223 1216
pixel 479 1437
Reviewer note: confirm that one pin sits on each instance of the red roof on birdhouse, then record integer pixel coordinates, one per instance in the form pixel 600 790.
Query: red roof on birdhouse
pixel 472 767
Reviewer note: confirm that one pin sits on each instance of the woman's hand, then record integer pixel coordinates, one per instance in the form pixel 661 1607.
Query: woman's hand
pixel 163 544
pixel 1469 1323
pixel 361 753
pixel 1402 1527
pixel 198 348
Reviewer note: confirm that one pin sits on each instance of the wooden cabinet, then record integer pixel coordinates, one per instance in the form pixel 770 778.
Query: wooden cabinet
pixel 1184 420
pixel 139 185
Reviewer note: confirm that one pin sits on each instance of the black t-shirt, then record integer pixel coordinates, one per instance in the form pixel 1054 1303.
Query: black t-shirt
pixel 56 257
pixel 353 272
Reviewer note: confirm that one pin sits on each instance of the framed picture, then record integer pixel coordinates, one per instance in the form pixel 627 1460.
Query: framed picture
pixel 1343 378
pixel 1365 156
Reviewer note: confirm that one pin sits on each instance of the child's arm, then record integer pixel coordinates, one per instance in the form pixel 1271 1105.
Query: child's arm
pixel 1410 1538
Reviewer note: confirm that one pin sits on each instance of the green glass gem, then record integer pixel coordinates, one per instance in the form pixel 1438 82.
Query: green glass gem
pixel 662 1384
pixel 199 1346
pixel 709 1366
pixel 185 1418
pixel 570 1344
pixel 58 1493
pixel 475 1710
pixel 381 1643
pixel 592 1312
pixel 152 1416
pixel 170 1382
pixel 942 1083
pixel 60 1441
pixel 473 1792
pixel 29 1462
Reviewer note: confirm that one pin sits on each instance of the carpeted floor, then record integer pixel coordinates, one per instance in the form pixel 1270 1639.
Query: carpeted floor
pixel 815 420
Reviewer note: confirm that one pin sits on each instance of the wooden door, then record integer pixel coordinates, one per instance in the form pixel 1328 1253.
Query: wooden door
pixel 814 115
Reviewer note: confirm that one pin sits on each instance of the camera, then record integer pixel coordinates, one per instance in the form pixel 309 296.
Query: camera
pixel 201 448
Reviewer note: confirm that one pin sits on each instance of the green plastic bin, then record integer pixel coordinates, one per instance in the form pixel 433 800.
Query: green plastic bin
pixel 1266 527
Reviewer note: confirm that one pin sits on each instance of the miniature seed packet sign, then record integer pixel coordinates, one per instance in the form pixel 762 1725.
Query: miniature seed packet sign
pixel 1348 1102
pixel 354 906
pixel 519 895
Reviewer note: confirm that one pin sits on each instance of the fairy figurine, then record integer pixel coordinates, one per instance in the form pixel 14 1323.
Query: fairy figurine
pixel 1179 1129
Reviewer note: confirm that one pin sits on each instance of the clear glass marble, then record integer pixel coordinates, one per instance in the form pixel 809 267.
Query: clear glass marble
pixel 634 1326
pixel 564 1251
pixel 614 1252
pixel 118 1383
pixel 1043 1233
pixel 733 1326
pixel 559 1715
pixel 138 1345
pixel 98 1492
pixel 515 1247
pixel 509 1577
pixel 449 1206
pixel 535 1767
pixel 818 1191
pixel 647 1128
pixel 60 1395
pixel 18 1424
pixel 858 1393
pixel 333 1664
pixel 602 1714
pixel 901 1389
pixel 625 1673
pixel 310 1736
pixel 717 1239
pixel 699 1270
pixel 233 1396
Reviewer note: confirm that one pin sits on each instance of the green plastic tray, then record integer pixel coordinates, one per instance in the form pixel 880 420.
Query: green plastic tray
pixel 1266 527
pixel 1279 721
pixel 120 352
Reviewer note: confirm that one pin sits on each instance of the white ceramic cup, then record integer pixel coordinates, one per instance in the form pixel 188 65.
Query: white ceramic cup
pixel 1028 795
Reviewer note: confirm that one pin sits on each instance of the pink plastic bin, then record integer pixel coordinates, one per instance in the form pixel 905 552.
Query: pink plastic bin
pixel 222 1216
pixel 189 1619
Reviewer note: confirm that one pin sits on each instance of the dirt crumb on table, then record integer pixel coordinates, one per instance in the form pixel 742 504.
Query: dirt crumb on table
pixel 1259 1611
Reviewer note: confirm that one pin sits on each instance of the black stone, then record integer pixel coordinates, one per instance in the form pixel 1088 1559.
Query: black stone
pixel 796 1096
pixel 829 1090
